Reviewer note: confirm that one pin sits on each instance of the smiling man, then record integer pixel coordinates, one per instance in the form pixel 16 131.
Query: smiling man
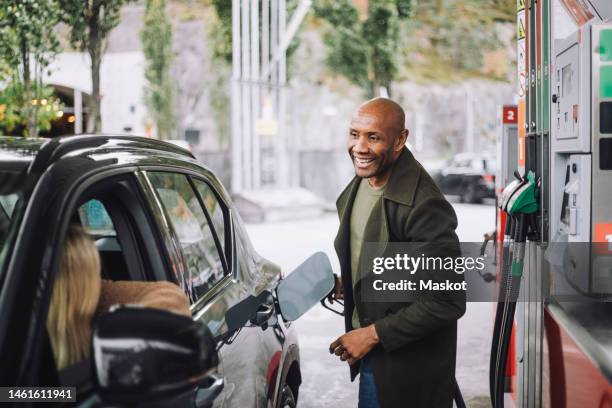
pixel 404 352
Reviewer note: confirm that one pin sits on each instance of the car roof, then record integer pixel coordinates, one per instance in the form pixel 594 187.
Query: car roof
pixel 474 155
pixel 39 153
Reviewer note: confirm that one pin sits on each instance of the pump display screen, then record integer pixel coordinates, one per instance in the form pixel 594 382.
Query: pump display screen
pixel 605 117
pixel 605 153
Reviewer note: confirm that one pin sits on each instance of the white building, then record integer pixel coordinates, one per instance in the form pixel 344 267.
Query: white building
pixel 121 86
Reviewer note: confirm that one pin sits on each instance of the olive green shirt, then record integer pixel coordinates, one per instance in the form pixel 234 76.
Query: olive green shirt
pixel 362 207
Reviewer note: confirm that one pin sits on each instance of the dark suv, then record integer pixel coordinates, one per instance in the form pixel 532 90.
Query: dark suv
pixel 470 176
pixel 156 214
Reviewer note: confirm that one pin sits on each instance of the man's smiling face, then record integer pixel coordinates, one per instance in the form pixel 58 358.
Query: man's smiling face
pixel 374 138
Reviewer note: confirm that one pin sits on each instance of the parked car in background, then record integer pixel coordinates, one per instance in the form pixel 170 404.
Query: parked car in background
pixel 471 176
pixel 155 214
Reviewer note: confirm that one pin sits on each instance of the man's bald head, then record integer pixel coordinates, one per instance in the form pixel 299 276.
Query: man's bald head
pixel 376 138
pixel 389 111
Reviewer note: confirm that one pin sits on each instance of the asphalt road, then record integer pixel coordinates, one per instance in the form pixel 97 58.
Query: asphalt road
pixel 325 378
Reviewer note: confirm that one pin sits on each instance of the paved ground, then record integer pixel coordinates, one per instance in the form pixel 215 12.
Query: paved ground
pixel 325 378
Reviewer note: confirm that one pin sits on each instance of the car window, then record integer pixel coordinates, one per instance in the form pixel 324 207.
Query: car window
pixel 216 210
pixel 462 163
pixel 97 223
pixel 204 267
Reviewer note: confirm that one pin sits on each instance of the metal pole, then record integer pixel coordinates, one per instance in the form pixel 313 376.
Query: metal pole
pixel 247 127
pixel 236 106
pixel 265 66
pixel 255 87
pixel 287 34
pixel 287 168
pixel 265 37
pixel 78 112
pixel 274 40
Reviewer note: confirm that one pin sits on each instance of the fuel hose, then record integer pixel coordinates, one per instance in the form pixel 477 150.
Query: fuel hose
pixel 505 263
pixel 520 204
pixel 512 289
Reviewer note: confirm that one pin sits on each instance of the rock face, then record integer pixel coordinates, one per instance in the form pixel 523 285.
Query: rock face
pixel 442 119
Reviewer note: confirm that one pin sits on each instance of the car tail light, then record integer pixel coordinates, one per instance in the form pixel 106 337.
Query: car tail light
pixel 488 178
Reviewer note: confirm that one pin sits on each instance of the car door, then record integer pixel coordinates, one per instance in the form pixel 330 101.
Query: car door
pixel 109 205
pixel 217 274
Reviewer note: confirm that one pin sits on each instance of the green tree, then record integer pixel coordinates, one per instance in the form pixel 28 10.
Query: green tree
pixel 28 45
pixel 90 22
pixel 156 40
pixel 14 109
pixel 446 40
pixel 364 50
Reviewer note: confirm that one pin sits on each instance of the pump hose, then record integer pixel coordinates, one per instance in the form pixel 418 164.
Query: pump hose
pixel 506 262
pixel 509 306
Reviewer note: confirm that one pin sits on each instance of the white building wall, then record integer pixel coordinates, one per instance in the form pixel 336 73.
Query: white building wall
pixel 121 86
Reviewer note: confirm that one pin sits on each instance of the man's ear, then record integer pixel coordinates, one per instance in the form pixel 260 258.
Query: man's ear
pixel 401 140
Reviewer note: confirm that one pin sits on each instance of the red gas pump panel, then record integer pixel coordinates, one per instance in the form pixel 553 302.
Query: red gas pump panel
pixel 603 239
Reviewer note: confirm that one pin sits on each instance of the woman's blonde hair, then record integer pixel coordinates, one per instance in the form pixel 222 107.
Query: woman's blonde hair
pixel 76 291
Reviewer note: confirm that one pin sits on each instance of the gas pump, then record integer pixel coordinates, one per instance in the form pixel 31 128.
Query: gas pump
pixel 563 325
pixel 581 154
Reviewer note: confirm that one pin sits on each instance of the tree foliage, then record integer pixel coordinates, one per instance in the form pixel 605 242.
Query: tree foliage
pixel 90 22
pixel 422 40
pixel 13 108
pixel 28 45
pixel 364 50
pixel 448 39
pixel 156 40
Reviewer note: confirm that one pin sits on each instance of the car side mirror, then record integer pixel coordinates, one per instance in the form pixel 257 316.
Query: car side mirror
pixel 143 354
pixel 306 286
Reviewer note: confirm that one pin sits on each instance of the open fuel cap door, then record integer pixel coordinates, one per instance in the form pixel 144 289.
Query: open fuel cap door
pixel 305 286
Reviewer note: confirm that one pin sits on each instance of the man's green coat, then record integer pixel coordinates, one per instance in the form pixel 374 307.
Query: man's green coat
pixel 414 363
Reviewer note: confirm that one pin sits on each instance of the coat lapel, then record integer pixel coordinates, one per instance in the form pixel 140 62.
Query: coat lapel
pixel 404 179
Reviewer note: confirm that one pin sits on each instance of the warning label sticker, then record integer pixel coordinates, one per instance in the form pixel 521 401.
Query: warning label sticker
pixel 520 25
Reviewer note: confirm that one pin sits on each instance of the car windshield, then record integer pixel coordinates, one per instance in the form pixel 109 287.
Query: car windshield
pixel 11 205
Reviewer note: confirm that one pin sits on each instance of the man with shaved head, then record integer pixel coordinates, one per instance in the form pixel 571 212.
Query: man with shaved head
pixel 404 352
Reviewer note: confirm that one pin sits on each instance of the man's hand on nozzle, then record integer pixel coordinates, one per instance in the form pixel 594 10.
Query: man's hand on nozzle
pixel 337 293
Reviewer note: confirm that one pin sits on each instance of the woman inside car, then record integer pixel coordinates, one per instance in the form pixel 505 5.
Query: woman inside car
pixel 79 293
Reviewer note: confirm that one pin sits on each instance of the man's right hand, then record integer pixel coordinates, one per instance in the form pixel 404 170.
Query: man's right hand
pixel 337 293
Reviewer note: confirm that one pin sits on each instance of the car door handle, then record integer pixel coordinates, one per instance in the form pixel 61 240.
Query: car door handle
pixel 209 390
